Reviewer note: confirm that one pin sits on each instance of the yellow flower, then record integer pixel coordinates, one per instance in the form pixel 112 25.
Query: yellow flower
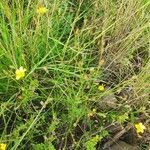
pixel 20 73
pixel 94 110
pixel 41 10
pixel 2 146
pixel 101 87
pixel 139 128
pixel 92 113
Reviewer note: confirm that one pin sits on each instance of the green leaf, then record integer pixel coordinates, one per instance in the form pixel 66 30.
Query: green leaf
pixel 92 142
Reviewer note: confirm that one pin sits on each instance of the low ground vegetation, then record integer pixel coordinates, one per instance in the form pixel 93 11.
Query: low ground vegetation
pixel 74 74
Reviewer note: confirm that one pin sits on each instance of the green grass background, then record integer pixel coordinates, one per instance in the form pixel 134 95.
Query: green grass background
pixel 63 52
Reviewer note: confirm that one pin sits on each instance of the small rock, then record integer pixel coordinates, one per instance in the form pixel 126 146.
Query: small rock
pixel 120 145
pixel 114 128
pixel 108 101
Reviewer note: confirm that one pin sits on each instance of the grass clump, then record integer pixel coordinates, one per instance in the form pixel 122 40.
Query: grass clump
pixel 83 67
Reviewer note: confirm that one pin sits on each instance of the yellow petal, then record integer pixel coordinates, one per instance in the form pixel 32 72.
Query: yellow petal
pixel 20 73
pixel 94 110
pixel 2 146
pixel 101 88
pixel 140 128
pixel 41 10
